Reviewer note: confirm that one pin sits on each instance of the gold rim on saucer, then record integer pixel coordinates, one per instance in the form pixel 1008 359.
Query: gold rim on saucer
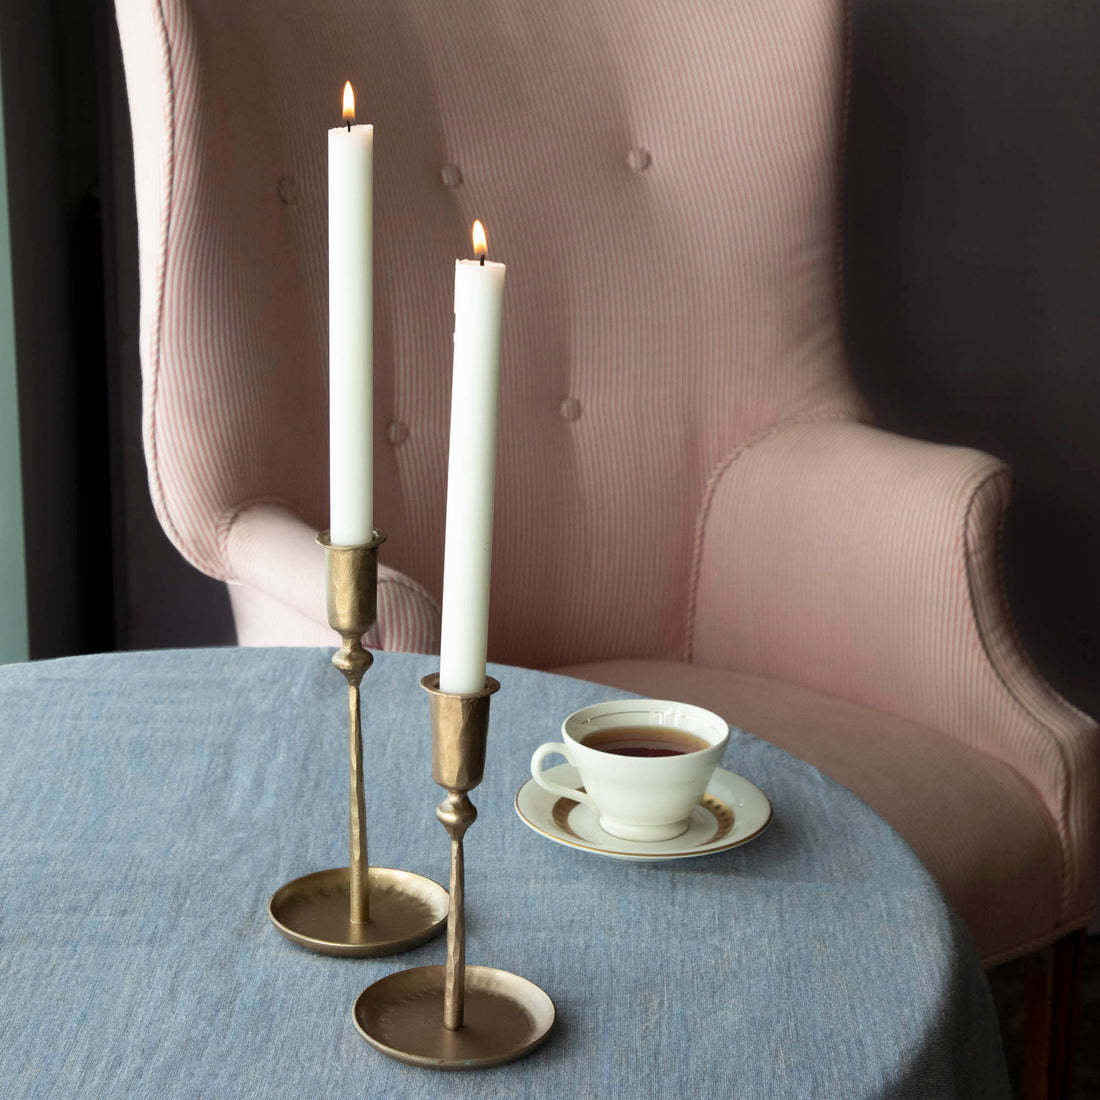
pixel 737 811
pixel 723 816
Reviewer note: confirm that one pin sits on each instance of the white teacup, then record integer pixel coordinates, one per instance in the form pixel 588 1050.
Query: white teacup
pixel 645 796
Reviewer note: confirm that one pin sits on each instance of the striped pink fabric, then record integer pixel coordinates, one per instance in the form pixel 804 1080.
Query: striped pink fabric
pixel 663 191
pixel 271 552
pixel 681 476
pixel 864 566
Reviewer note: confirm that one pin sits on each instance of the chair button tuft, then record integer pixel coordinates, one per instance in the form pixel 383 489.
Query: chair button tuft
pixel 287 189
pixel 397 431
pixel 451 176
pixel 570 409
pixel 639 159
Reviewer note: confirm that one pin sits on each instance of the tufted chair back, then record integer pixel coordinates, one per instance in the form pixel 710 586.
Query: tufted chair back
pixel 661 180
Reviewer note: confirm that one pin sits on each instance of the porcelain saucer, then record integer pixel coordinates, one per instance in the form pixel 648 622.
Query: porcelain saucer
pixel 732 812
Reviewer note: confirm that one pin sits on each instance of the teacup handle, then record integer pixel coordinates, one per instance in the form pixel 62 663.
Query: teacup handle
pixel 556 748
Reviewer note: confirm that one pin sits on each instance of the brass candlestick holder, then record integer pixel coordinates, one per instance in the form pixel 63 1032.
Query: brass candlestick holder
pixel 357 910
pixel 455 1016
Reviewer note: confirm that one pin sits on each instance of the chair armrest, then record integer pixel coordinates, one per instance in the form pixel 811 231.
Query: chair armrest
pixel 270 548
pixel 867 566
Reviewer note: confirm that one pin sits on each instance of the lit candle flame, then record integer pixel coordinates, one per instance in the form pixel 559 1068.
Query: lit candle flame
pixel 481 245
pixel 349 103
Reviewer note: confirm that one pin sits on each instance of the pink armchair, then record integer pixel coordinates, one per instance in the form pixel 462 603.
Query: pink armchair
pixel 688 501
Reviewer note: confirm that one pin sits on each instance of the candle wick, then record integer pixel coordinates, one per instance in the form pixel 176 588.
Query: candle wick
pixel 483 260
pixel 349 125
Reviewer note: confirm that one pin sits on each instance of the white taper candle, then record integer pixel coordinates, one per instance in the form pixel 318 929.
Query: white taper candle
pixel 479 296
pixel 350 329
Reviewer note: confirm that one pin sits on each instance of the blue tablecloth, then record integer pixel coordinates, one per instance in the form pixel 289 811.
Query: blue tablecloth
pixel 150 803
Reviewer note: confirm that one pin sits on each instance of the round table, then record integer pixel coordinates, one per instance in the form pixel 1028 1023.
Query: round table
pixel 151 802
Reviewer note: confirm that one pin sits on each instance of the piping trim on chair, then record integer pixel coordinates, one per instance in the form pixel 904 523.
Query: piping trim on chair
pixel 841 173
pixel 224 527
pixel 156 336
pixel 1019 653
pixel 1036 943
pixel 711 487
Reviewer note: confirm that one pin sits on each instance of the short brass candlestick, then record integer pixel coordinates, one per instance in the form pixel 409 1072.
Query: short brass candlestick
pixel 357 910
pixel 455 1016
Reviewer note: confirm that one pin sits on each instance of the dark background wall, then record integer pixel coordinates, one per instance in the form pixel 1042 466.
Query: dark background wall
pixel 100 574
pixel 66 416
pixel 972 254
pixel 972 274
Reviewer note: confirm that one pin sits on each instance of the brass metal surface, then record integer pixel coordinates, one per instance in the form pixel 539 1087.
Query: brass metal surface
pixel 356 910
pixel 351 596
pixel 460 727
pixel 352 589
pixel 460 730
pixel 313 912
pixel 455 1016
pixel 456 813
pixel 506 1017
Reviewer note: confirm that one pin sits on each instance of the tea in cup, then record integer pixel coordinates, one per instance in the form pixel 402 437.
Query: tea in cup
pixel 644 764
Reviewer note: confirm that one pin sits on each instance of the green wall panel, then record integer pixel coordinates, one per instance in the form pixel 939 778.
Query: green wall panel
pixel 13 582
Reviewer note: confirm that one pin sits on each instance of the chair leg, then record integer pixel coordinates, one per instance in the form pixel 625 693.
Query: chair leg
pixel 1052 1002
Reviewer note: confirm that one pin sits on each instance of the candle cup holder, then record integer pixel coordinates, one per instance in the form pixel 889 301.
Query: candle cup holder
pixel 455 1016
pixel 357 910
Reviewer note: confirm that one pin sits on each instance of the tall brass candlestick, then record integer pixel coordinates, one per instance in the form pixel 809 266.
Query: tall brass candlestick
pixel 460 725
pixel 455 1016
pixel 357 910
pixel 352 608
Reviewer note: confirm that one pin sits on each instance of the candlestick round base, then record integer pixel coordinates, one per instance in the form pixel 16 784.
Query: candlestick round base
pixel 504 1018
pixel 405 911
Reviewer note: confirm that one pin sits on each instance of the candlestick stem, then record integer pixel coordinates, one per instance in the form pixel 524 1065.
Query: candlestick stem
pixel 353 660
pixel 456 813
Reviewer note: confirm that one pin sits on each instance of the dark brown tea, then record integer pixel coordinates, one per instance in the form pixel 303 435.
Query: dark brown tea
pixel 645 741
